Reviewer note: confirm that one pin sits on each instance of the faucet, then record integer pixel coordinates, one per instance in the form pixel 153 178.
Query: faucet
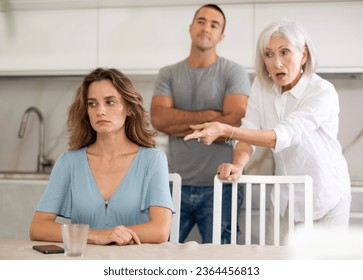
pixel 42 160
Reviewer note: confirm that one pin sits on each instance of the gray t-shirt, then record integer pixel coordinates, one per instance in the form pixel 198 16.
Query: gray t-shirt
pixel 193 89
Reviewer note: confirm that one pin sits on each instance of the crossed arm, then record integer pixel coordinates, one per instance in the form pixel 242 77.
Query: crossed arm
pixel 176 122
pixel 45 228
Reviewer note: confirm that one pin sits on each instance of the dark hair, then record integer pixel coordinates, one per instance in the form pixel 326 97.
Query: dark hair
pixel 214 7
pixel 81 133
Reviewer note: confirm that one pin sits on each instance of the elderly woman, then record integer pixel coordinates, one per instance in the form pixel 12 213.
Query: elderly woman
pixel 112 178
pixel 294 112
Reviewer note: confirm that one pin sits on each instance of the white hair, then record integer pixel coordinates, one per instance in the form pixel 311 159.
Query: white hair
pixel 297 36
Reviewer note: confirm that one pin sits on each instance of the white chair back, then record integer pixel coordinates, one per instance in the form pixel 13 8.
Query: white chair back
pixel 252 180
pixel 175 180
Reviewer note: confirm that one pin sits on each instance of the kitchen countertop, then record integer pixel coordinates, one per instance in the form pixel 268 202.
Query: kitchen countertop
pixel 357 183
pixel 23 175
pixel 31 175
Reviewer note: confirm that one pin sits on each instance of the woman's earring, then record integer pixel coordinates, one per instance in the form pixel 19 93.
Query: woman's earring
pixel 269 75
pixel 302 70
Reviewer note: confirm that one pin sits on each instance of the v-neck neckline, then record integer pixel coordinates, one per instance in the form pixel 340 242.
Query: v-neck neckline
pixel 94 184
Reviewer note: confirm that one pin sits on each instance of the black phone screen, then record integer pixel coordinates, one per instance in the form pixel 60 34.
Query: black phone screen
pixel 48 249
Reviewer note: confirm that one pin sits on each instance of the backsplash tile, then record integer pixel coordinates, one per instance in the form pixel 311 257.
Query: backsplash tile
pixel 53 95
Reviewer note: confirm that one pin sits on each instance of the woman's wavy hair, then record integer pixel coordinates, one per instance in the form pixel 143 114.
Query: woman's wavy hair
pixel 81 133
pixel 297 36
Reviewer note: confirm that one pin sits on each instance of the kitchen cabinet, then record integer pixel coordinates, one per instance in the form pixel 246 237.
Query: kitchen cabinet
pixel 356 208
pixel 335 28
pixel 141 40
pixel 18 201
pixel 48 42
pixel 58 38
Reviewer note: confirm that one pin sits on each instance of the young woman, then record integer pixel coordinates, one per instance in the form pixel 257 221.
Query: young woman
pixel 111 178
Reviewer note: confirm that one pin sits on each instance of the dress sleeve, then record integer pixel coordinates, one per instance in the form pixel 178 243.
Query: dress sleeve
pixel 57 196
pixel 157 190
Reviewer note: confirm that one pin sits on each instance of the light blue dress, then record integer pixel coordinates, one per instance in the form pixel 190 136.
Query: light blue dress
pixel 72 191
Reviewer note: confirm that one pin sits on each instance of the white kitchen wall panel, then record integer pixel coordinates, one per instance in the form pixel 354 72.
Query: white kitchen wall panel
pixel 335 28
pixel 48 42
pixel 141 40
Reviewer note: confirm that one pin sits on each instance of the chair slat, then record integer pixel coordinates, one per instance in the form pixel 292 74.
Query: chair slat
pixel 175 180
pixel 276 214
pixel 262 214
pixel 291 211
pixel 217 211
pixel 234 214
pixel 251 181
pixel 248 195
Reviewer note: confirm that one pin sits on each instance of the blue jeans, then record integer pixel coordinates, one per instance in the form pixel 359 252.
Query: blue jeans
pixel 197 208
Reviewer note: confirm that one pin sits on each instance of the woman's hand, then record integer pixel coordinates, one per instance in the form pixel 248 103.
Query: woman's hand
pixel 229 171
pixel 120 235
pixel 207 132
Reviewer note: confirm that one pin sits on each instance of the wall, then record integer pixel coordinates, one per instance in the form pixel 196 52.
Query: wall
pixel 53 95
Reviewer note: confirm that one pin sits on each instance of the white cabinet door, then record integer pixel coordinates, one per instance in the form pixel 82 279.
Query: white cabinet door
pixel 238 41
pixel 48 41
pixel 141 40
pixel 356 209
pixel 335 28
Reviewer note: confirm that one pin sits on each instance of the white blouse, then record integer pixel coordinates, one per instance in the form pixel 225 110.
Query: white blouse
pixel 305 120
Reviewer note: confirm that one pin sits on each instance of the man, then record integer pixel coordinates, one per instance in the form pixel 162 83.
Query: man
pixel 202 88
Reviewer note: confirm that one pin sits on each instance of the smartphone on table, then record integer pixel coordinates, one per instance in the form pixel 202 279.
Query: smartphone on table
pixel 49 249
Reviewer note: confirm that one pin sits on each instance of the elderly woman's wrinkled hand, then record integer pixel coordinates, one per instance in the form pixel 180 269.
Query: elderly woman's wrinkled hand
pixel 207 132
pixel 229 171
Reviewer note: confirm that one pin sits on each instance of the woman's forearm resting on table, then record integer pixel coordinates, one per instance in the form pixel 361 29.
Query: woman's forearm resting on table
pixel 157 230
pixel 44 228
